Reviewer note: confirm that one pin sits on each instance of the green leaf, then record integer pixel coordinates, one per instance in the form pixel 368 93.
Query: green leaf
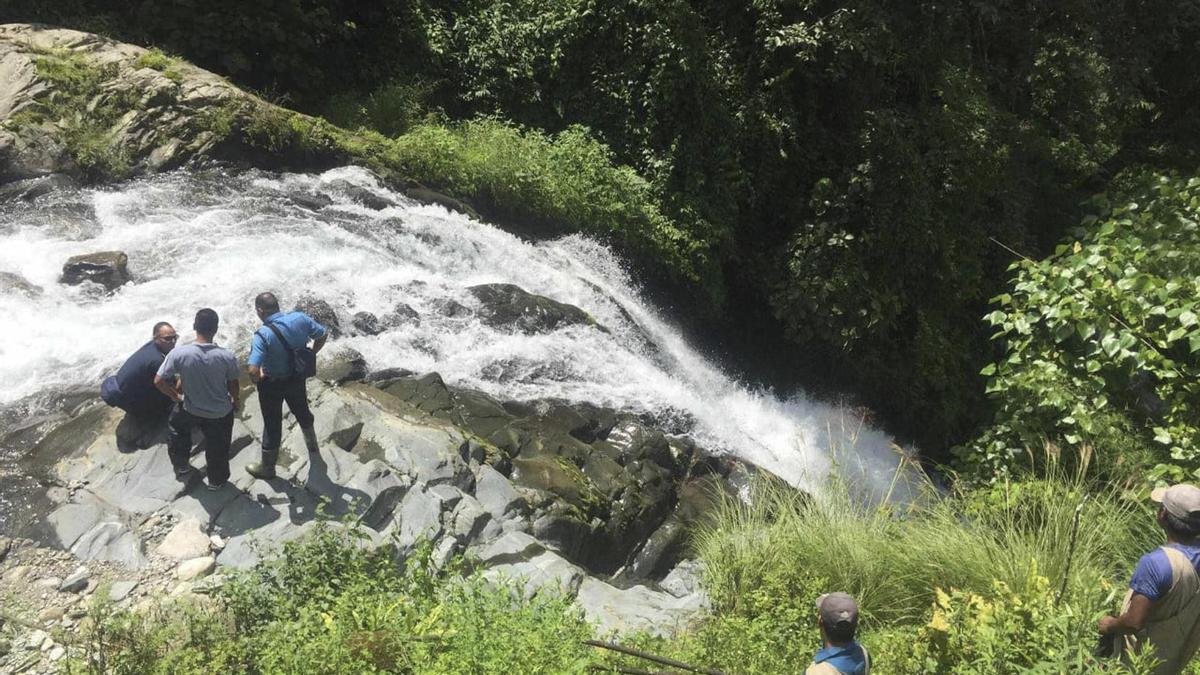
pixel 988 370
pixel 1161 435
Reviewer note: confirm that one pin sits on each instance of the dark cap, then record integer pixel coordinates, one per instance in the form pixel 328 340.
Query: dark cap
pixel 1181 501
pixel 838 610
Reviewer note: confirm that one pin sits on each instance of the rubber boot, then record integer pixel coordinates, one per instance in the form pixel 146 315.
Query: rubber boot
pixel 264 470
pixel 310 440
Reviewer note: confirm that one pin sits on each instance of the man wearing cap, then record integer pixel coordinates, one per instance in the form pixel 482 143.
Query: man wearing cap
pixel 837 617
pixel 1162 607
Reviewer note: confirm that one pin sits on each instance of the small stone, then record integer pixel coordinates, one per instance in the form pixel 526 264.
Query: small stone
pixel 5 646
pixel 51 614
pixel 217 542
pixel 36 638
pixel 77 582
pixel 77 612
pixel 48 644
pixel 195 568
pixel 5 545
pixel 17 574
pixel 119 590
pixel 48 582
pixel 185 541
pixel 57 653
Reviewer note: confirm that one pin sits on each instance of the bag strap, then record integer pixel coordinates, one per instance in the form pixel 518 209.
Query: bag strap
pixel 279 334
pixel 286 345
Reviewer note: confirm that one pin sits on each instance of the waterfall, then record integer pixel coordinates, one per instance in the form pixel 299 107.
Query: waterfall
pixel 215 239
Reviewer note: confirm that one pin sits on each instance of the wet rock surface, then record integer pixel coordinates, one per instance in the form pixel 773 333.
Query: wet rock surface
pixel 589 500
pixel 510 306
pixel 110 269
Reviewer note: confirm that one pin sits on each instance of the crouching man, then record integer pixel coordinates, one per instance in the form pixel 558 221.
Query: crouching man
pixel 132 389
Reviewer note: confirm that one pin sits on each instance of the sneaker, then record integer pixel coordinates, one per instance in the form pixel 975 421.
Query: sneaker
pixel 213 487
pixel 261 471
pixel 186 474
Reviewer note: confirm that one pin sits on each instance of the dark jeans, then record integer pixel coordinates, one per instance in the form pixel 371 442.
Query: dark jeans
pixel 217 435
pixel 271 395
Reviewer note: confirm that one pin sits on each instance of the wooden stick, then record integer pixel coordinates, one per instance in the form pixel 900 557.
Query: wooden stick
pixel 652 657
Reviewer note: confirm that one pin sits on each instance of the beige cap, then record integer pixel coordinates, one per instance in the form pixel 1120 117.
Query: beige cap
pixel 1181 501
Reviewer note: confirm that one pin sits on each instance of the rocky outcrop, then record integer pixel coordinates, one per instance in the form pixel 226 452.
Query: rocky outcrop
pixel 15 283
pixel 510 306
pixel 127 111
pixel 544 492
pixel 110 269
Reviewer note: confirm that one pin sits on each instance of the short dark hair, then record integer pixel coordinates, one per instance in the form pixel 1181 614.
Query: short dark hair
pixel 158 325
pixel 206 322
pixel 1182 529
pixel 843 632
pixel 267 303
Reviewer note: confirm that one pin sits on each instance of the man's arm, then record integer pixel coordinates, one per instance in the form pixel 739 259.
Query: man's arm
pixel 168 388
pixel 235 394
pixel 258 354
pixel 319 343
pixel 1131 621
pixel 317 333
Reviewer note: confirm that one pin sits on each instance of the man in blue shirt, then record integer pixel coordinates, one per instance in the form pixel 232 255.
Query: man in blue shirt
pixel 837 617
pixel 132 388
pixel 272 368
pixel 1162 607
pixel 202 379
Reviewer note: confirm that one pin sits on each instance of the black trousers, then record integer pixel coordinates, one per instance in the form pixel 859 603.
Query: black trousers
pixel 271 395
pixel 217 432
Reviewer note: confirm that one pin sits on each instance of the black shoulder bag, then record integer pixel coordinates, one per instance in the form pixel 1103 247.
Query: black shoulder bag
pixel 303 360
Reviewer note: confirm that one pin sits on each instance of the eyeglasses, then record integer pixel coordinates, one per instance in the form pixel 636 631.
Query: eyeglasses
pixel 168 338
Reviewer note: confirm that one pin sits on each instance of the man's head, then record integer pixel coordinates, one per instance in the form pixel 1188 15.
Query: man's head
pixel 206 323
pixel 164 336
pixel 266 304
pixel 1179 510
pixel 837 615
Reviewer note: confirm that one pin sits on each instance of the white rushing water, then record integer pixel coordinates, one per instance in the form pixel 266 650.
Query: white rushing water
pixel 216 240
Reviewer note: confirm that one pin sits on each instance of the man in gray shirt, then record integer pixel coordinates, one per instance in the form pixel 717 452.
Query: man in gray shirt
pixel 202 379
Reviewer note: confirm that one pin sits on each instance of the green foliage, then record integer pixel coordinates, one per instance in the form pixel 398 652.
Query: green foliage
pixel 1101 341
pixel 330 605
pixel 391 109
pixel 83 111
pixel 155 59
pixel 560 183
pixel 963 583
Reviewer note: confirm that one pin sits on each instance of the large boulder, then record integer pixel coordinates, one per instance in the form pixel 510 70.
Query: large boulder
pixel 322 312
pixel 510 306
pixel 110 269
pixel 144 113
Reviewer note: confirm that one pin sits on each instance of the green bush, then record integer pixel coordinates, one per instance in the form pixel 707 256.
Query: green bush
pixel 327 604
pixel 558 183
pixel 1101 342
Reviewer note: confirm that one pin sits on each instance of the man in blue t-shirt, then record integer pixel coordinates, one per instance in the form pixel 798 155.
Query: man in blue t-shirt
pixel 132 388
pixel 272 368
pixel 1163 603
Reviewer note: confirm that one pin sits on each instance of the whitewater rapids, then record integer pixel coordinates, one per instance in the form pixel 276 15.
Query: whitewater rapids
pixel 197 239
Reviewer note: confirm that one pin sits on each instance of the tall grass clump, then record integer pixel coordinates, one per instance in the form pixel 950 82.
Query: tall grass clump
pixel 974 577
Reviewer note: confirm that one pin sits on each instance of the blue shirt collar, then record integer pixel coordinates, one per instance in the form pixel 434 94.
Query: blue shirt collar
pixel 274 316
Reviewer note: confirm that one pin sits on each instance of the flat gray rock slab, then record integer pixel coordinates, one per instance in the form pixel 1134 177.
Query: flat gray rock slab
pixel 111 541
pixel 544 571
pixel 623 611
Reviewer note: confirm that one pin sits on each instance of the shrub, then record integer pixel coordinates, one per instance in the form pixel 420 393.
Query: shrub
pixel 558 183
pixel 328 604
pixel 1101 341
